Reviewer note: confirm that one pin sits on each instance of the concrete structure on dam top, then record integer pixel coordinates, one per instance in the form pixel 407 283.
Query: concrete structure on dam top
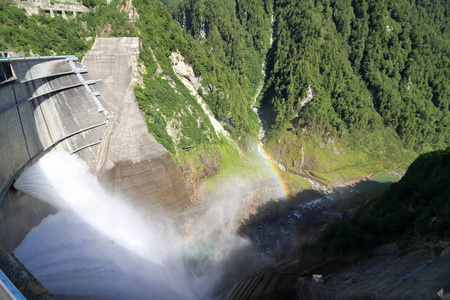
pixel 53 103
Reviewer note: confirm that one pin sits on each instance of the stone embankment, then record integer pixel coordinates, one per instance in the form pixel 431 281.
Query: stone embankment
pixel 418 275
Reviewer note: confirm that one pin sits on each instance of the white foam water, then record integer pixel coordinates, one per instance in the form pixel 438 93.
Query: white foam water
pixel 97 245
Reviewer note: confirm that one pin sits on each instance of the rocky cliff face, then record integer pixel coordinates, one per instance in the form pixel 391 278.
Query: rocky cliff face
pixel 132 163
pixel 186 74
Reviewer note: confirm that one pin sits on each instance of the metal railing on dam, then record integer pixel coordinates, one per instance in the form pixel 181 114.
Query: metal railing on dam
pixel 8 290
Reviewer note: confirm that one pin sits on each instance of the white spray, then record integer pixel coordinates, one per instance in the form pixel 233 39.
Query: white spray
pixel 97 245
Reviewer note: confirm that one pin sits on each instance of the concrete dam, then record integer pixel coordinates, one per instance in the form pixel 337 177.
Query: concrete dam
pixel 54 103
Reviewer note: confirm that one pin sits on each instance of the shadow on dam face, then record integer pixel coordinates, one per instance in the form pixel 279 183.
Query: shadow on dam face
pixel 19 143
pixel 19 213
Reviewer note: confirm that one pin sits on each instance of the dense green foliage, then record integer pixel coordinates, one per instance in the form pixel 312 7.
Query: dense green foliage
pixel 417 206
pixel 171 4
pixel 372 63
pixel 234 37
pixel 44 35
pixel 92 3
pixel 179 110
pixel 167 104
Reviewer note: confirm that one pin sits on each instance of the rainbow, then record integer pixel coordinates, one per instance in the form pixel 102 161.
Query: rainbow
pixel 275 170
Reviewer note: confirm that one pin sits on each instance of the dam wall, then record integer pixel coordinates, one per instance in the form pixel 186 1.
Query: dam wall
pixel 44 105
pixel 53 103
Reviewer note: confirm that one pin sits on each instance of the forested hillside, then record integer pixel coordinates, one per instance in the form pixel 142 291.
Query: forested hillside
pixel 378 67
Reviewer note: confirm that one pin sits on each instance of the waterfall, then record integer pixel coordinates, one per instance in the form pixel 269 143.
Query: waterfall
pixel 98 245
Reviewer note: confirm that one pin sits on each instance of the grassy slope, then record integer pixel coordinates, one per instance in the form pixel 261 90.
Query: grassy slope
pixel 339 157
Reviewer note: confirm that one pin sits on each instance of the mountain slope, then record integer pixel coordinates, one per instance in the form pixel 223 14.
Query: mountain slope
pixel 364 59
pixel 379 70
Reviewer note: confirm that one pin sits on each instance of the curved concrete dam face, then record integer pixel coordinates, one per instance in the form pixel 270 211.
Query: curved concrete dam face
pixel 54 103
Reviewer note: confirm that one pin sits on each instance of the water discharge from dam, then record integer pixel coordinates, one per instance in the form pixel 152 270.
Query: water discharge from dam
pixel 98 245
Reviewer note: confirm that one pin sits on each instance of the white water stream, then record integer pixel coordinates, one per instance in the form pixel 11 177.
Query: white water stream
pixel 97 245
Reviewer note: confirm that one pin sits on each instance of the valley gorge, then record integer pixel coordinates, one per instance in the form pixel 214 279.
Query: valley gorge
pixel 234 149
